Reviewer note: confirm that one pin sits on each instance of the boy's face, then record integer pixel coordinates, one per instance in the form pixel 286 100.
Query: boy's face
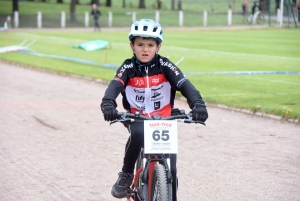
pixel 144 48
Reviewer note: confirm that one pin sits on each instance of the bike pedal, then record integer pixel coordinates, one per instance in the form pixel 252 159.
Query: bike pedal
pixel 129 192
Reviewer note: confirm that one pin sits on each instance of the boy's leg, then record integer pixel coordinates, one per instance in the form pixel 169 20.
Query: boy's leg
pixel 133 146
pixel 95 24
pixel 132 150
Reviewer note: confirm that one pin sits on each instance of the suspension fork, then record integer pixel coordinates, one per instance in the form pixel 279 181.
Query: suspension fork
pixel 150 176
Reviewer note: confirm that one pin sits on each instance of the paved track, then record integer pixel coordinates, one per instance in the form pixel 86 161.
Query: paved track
pixel 55 145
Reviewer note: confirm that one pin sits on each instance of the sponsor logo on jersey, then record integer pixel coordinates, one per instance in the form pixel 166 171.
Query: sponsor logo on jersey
pixel 156 93
pixel 139 91
pixel 180 82
pixel 156 99
pixel 157 105
pixel 139 82
pixel 170 66
pixel 123 68
pixel 155 80
pixel 139 98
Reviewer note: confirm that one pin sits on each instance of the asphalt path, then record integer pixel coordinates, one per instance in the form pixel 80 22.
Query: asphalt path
pixel 55 145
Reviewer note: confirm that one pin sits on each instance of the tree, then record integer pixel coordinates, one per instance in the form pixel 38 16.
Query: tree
pixel 15 5
pixel 108 3
pixel 179 5
pixel 97 2
pixel 59 1
pixel 142 4
pixel 124 4
pixel 72 11
pixel 173 4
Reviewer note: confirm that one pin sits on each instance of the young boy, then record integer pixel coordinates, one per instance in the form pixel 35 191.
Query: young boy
pixel 148 83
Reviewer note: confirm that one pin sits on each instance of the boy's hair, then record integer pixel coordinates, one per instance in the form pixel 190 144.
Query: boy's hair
pixel 144 38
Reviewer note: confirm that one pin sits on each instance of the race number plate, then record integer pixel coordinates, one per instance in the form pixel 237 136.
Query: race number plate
pixel 160 137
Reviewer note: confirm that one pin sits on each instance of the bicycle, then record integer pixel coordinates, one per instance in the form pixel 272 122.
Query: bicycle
pixel 252 19
pixel 153 178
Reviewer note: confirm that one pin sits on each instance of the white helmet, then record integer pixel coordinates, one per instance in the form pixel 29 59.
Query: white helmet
pixel 146 28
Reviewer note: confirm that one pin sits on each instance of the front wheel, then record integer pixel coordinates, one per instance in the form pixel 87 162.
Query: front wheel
pixel 247 19
pixel 159 186
pixel 260 19
pixel 138 165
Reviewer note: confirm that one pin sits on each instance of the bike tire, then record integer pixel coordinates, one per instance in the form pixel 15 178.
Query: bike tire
pixel 159 186
pixel 139 163
pixel 260 19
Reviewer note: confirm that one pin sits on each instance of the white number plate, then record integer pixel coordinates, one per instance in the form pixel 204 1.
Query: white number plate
pixel 160 137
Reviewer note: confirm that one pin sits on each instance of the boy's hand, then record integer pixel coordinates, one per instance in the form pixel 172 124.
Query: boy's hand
pixel 200 112
pixel 109 112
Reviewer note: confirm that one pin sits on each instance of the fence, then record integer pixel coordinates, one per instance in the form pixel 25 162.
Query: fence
pixel 168 19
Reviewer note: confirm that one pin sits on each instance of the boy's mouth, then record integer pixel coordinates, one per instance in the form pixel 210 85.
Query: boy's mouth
pixel 144 55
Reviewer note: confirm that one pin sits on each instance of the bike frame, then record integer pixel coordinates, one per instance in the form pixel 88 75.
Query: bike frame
pixel 149 161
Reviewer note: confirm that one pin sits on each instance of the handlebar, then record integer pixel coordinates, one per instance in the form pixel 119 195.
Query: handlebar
pixel 128 118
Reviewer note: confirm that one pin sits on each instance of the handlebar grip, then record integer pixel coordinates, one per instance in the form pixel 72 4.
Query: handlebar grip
pixel 120 114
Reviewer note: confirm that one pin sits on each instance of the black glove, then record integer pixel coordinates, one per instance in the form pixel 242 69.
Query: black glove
pixel 110 113
pixel 199 112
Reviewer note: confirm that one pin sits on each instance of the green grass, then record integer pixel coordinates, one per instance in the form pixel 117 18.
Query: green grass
pixel 203 51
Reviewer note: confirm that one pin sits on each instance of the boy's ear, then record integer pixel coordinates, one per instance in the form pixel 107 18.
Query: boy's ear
pixel 131 46
pixel 159 46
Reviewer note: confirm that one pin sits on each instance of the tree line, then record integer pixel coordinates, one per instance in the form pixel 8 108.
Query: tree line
pixel 108 3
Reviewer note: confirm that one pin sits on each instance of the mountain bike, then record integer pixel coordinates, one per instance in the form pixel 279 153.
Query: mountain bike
pixel 252 19
pixel 153 178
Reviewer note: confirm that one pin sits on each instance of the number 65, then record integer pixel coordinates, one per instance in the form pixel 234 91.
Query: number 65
pixel 164 135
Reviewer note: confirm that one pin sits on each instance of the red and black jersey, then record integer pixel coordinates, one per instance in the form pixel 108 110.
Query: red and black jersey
pixel 150 88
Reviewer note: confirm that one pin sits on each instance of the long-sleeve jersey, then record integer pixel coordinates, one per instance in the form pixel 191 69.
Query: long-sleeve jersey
pixel 95 13
pixel 150 88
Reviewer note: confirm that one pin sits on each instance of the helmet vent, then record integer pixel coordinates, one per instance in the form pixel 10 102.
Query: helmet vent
pixel 136 28
pixel 145 28
pixel 155 28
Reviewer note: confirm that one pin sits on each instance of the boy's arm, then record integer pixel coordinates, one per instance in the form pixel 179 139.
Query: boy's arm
pixel 192 95
pixel 109 104
pixel 179 82
pixel 113 90
pixel 187 89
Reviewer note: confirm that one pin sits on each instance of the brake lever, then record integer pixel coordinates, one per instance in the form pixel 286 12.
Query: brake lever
pixel 114 121
pixel 123 121
pixel 200 122
pixel 190 119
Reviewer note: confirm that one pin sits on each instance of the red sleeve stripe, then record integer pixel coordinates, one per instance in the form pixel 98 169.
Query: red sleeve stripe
pixel 118 79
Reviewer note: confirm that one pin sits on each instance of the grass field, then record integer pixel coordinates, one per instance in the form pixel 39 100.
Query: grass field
pixel 206 54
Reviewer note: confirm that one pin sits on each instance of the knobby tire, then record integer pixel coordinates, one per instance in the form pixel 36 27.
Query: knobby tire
pixel 159 186
pixel 138 165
